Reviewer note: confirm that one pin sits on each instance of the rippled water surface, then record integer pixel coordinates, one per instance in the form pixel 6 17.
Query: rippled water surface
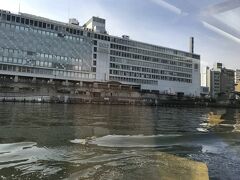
pixel 42 141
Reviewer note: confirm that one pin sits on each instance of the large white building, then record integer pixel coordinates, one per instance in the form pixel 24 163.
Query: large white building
pixel 36 47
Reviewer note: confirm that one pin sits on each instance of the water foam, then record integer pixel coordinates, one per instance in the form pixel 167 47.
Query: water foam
pixel 127 140
pixel 16 146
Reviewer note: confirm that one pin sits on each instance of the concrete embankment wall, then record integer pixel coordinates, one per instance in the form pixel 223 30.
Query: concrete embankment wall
pixel 94 93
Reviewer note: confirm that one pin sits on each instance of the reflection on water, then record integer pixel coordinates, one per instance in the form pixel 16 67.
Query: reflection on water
pixel 41 141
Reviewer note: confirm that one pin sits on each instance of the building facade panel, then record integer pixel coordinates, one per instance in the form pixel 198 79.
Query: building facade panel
pixel 29 50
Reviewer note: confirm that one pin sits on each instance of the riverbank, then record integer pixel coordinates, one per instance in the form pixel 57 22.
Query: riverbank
pixel 143 101
pixel 100 93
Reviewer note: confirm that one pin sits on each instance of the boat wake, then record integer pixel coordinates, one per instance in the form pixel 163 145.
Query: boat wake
pixel 128 140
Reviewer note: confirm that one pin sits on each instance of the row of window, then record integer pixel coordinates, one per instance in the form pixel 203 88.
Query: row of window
pixel 153 47
pixel 147 58
pixel 59 58
pixel 47 64
pixel 148 70
pixel 39 24
pixel 102 37
pixel 41 32
pixel 20 53
pixel 151 59
pixel 149 53
pixel 150 65
pixel 55 73
pixel 133 80
pixel 148 76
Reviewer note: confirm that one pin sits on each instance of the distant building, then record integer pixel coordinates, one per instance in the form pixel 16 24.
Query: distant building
pixel 207 76
pixel 237 80
pixel 227 84
pixel 213 81
pixel 237 86
pixel 204 91
pixel 218 66
pixel 203 78
pixel 237 75
pixel 37 48
pixel 220 80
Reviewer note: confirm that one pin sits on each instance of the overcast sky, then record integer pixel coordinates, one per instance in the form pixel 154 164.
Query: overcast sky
pixel 215 24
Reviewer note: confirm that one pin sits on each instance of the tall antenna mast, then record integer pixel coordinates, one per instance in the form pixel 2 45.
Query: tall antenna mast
pixel 68 11
pixel 19 6
pixel 68 14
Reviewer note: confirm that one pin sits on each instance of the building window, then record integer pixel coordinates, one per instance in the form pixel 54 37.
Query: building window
pixel 27 21
pixel 196 66
pixel 40 24
pixel 93 69
pixel 22 20
pixel 17 19
pixel 3 16
pixel 13 18
pixel 19 61
pixel 8 18
pixel 95 56
pixel 95 49
pixel 37 63
pixel 5 59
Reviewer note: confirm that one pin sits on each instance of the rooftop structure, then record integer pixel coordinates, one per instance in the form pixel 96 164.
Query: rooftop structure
pixel 96 24
pixel 36 47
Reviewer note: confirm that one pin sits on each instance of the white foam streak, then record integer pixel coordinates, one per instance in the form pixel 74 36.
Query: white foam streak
pixel 202 130
pixel 79 141
pixel 124 140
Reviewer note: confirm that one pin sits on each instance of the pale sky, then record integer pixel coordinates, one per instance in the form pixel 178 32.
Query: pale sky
pixel 215 24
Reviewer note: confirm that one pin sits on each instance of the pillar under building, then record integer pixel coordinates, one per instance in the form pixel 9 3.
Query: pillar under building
pixel 34 80
pixel 15 79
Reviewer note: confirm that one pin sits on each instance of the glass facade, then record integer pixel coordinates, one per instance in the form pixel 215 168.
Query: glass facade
pixel 31 46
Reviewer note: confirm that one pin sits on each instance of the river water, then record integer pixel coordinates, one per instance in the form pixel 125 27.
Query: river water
pixel 44 141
